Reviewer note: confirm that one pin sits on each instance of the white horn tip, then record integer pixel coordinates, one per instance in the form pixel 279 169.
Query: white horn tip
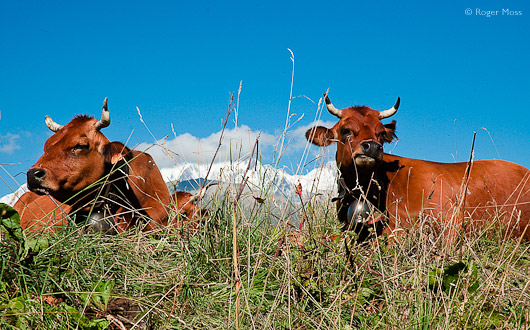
pixel 53 126
pixel 105 116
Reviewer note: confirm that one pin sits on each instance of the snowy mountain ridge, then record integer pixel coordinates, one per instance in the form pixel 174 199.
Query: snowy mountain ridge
pixel 261 178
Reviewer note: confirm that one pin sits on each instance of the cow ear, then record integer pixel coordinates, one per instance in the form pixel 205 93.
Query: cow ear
pixel 390 134
pixel 114 152
pixel 320 135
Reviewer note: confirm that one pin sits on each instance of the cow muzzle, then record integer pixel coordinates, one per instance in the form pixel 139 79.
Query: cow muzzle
pixel 370 153
pixel 35 179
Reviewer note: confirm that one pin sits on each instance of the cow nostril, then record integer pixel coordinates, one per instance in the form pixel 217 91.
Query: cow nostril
pixel 365 146
pixel 371 148
pixel 37 173
pixel 40 174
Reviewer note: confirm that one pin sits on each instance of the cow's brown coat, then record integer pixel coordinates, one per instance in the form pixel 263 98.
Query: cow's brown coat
pixel 74 171
pixel 409 188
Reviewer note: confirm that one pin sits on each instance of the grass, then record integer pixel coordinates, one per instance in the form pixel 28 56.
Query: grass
pixel 289 278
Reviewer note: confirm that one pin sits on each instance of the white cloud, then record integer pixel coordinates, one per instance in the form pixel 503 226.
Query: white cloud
pixel 236 146
pixel 8 143
pixel 237 143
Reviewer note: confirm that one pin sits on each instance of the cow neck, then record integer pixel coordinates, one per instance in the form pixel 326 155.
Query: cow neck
pixel 115 194
pixel 117 191
pixel 360 185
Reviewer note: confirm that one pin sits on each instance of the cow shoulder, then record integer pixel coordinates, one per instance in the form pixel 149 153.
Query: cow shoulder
pixel 149 186
pixel 38 213
pixel 144 179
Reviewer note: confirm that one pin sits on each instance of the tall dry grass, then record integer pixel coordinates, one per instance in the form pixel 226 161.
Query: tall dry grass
pixel 288 278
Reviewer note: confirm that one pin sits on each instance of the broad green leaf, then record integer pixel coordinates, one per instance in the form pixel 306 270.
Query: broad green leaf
pixel 39 244
pixel 10 222
pixel 103 292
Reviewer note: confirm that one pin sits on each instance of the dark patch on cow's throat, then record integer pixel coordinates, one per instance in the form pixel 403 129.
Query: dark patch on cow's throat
pixel 116 191
pixel 393 166
pixel 374 184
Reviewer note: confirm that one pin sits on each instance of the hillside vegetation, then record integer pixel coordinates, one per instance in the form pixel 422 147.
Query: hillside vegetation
pixel 238 270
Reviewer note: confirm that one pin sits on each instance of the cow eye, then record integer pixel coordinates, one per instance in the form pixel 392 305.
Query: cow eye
pixel 80 146
pixel 345 131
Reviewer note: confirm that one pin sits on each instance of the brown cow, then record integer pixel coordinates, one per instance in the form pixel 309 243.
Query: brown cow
pixel 187 212
pixel 375 186
pixel 94 177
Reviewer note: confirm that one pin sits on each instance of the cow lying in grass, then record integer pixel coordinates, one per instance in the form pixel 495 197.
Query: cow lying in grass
pixel 388 192
pixel 82 173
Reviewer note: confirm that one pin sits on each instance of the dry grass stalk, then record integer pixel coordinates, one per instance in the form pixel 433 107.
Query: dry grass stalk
pixel 237 274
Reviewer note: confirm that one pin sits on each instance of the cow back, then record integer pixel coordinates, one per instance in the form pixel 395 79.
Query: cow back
pixel 151 191
pixel 495 189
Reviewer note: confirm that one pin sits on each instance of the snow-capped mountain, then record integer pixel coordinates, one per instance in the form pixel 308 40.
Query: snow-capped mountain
pixel 320 180
pixel 263 180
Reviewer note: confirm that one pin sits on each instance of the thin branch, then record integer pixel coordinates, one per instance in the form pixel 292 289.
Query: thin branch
pixel 464 194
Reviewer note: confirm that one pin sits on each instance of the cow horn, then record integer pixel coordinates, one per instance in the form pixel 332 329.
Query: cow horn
pixel 331 108
pixel 390 112
pixel 105 116
pixel 53 126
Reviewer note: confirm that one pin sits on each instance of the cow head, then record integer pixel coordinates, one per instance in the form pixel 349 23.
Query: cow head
pixel 359 135
pixel 74 157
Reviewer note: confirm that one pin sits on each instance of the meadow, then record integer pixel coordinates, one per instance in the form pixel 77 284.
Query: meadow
pixel 241 270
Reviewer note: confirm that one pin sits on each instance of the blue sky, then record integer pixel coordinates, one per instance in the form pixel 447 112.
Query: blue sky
pixel 178 62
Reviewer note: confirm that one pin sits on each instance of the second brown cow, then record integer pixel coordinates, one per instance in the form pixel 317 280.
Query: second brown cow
pixel 390 192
